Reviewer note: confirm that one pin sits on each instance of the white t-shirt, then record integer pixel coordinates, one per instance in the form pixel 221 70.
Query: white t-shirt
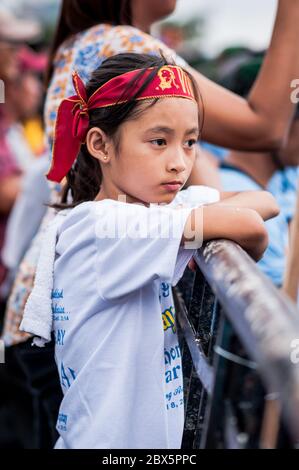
pixel 116 348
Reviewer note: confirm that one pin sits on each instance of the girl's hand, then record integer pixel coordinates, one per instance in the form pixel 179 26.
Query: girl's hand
pixel 241 225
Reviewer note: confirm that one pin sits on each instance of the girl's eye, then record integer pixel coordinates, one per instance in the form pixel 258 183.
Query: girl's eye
pixel 190 143
pixel 159 142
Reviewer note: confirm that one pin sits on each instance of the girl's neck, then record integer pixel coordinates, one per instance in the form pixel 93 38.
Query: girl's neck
pixel 115 194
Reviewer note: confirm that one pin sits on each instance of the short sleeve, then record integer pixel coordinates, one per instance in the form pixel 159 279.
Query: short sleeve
pixel 195 196
pixel 136 246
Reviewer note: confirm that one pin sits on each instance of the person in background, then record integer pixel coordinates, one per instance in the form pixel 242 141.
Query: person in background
pixel 275 171
pixel 20 427
pixel 34 64
pixel 10 174
pixel 25 139
pixel 24 136
pixel 23 101
pixel 23 95
pixel 13 32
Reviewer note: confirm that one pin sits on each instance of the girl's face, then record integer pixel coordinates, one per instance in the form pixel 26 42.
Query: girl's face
pixel 155 155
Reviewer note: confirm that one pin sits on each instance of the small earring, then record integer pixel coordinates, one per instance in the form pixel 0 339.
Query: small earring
pixel 105 158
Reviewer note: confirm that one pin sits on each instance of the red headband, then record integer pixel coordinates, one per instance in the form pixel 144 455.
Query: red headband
pixel 72 117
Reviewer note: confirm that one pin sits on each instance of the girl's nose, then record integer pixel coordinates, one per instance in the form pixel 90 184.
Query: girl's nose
pixel 176 162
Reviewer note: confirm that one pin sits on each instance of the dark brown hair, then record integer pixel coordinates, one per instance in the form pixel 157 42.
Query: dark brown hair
pixel 79 15
pixel 84 179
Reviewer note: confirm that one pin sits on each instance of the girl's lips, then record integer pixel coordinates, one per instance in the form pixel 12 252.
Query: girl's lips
pixel 172 186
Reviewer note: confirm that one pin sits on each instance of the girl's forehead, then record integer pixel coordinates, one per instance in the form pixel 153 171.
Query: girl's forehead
pixel 176 111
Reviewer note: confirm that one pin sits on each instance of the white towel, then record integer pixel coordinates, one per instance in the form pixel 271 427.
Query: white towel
pixel 37 318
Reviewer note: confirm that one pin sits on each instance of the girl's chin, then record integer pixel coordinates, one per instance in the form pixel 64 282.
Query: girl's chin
pixel 166 199
pixel 154 197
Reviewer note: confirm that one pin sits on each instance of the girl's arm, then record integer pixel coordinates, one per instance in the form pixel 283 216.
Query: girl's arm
pixel 237 217
pixel 243 226
pixel 261 201
pixel 261 122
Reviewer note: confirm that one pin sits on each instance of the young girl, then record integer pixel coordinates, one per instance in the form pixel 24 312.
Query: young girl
pixel 126 240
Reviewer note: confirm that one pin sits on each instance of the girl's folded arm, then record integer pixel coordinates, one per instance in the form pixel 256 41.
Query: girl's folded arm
pixel 241 225
pixel 262 202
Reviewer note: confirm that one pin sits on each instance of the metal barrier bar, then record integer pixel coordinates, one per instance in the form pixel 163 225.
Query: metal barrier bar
pixel 201 301
pixel 264 321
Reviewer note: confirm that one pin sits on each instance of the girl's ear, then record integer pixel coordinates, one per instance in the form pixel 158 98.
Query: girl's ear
pixel 98 144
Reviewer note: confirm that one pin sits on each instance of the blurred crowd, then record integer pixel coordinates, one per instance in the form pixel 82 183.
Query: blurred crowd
pixel 22 142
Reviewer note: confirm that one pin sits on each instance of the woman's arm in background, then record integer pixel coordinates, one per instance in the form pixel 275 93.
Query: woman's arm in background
pixel 261 122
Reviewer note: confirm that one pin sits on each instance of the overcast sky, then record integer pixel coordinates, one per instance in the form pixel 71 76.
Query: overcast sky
pixel 248 22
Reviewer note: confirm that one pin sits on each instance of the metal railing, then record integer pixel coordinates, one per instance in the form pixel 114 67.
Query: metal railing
pixel 240 331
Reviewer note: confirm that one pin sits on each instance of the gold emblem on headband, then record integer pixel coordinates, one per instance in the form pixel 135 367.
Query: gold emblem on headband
pixel 167 78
